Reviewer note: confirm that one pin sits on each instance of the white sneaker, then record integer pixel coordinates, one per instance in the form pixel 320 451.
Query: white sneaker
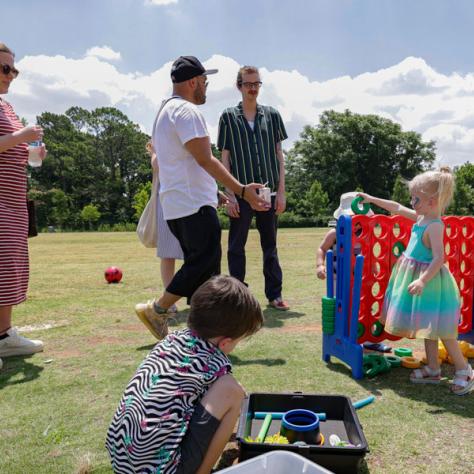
pixel 15 345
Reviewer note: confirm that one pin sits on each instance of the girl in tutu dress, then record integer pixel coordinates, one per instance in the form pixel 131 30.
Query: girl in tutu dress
pixel 422 298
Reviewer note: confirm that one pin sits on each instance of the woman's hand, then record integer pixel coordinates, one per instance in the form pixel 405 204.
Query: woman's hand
pixel 43 152
pixel 416 287
pixel 32 133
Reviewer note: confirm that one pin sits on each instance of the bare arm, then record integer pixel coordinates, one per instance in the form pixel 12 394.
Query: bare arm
pixel 26 134
pixel 200 148
pixel 154 163
pixel 280 201
pixel 435 236
pixel 232 206
pixel 390 206
pixel 225 157
pixel 327 243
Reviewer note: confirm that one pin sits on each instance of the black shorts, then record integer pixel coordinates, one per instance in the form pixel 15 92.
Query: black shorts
pixel 199 236
pixel 195 444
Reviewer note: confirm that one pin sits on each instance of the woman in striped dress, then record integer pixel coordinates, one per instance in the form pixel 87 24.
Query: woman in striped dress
pixel 14 264
pixel 167 246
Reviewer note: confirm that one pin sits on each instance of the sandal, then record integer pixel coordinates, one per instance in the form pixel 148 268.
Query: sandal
pixel 426 375
pixel 464 380
pixel 279 304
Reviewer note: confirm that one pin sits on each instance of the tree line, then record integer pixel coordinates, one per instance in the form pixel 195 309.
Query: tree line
pixel 98 176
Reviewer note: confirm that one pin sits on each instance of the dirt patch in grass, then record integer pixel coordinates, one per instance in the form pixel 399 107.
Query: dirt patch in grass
pixel 65 354
pixel 87 342
pixel 43 326
pixel 98 340
pixel 138 327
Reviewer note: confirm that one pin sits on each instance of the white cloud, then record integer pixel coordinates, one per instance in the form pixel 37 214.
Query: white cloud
pixel 104 52
pixel 160 2
pixel 441 107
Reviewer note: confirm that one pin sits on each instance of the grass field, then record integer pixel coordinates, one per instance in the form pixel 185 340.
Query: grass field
pixel 55 407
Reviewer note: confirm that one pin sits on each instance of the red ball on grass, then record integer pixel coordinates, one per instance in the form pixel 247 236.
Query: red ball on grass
pixel 113 274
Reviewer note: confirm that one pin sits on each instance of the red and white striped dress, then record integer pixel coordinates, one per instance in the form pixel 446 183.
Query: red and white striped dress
pixel 14 265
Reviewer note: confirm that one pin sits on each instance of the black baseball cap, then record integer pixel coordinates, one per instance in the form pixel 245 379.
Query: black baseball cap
pixel 187 67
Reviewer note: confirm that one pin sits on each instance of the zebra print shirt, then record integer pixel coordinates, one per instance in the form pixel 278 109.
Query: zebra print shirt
pixel 153 415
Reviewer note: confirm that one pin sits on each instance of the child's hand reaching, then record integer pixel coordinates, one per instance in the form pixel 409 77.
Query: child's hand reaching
pixel 321 272
pixel 366 197
pixel 416 287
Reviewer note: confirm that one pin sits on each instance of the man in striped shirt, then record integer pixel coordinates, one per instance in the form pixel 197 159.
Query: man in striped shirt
pixel 250 137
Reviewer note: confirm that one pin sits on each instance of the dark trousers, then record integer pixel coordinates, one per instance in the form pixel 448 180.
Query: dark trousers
pixel 200 238
pixel 267 227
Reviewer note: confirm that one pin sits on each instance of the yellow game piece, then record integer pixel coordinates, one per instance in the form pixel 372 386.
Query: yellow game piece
pixel 442 353
pixel 411 362
pixel 464 346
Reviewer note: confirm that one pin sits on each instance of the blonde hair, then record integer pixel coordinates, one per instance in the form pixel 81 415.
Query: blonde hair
pixel 438 183
pixel 5 49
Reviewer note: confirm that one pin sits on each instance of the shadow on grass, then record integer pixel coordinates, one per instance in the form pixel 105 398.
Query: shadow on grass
pixel 13 366
pixel 147 348
pixel 397 380
pixel 274 318
pixel 268 362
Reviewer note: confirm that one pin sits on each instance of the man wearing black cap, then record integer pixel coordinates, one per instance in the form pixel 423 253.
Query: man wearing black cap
pixel 188 189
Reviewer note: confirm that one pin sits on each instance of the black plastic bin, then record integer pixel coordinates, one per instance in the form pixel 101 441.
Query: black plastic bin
pixel 341 419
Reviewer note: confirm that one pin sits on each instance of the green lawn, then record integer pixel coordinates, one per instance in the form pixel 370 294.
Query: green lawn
pixel 55 406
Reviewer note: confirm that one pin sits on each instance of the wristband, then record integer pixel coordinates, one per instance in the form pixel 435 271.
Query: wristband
pixel 243 192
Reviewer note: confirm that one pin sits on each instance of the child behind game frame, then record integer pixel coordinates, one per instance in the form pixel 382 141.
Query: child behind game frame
pixel 329 240
pixel 179 410
pixel 422 299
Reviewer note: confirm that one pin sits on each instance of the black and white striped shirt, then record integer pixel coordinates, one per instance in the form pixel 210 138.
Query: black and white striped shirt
pixel 253 152
pixel 153 415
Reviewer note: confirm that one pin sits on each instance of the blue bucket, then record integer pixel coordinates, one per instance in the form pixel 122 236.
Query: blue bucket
pixel 301 425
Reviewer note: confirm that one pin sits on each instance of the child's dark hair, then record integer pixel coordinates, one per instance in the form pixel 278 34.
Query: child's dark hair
pixel 224 306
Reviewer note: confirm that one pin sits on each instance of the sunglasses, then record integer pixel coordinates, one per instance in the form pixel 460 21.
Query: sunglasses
pixel 7 69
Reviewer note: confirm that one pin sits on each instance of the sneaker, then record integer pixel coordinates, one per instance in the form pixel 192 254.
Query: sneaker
pixel 279 304
pixel 16 345
pixel 156 323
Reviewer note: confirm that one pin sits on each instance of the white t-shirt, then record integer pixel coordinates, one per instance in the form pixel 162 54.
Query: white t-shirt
pixel 184 185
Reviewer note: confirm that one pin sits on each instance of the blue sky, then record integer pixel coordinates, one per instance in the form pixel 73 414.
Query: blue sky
pixel 319 38
pixel 314 54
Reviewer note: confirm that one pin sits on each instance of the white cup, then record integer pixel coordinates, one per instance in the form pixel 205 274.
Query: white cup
pixel 34 154
pixel 265 193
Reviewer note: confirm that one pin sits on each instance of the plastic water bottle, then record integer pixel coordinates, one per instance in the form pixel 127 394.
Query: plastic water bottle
pixel 34 154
